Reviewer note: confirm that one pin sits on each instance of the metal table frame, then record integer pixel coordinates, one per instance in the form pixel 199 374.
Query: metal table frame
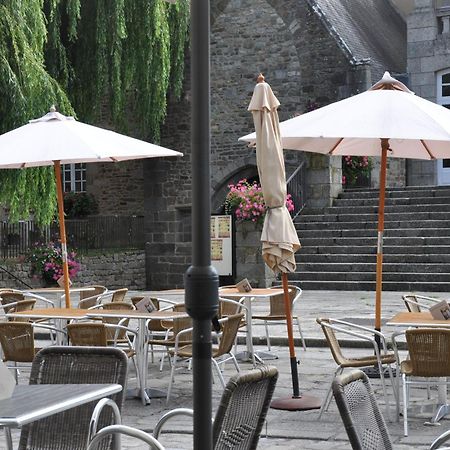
pixel 37 401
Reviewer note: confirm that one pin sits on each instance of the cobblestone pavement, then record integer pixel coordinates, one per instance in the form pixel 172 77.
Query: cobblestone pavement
pixel 290 430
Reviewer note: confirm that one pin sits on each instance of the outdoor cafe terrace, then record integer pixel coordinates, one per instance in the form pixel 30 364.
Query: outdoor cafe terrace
pixel 283 429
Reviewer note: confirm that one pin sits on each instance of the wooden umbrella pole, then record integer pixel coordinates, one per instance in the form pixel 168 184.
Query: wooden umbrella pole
pixel 62 231
pixel 293 358
pixel 379 276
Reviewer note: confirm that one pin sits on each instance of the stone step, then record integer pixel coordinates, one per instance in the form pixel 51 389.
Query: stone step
pixel 372 241
pixel 392 233
pixel 302 225
pixel 362 208
pixel 333 258
pixel 372 217
pixel 387 249
pixel 423 191
pixel 357 201
pixel 370 286
pixel 350 266
pixel 370 276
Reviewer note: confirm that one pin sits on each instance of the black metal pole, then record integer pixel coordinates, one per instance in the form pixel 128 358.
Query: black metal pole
pixel 201 280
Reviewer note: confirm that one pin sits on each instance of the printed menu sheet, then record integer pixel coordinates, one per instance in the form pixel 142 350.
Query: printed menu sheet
pixel 221 244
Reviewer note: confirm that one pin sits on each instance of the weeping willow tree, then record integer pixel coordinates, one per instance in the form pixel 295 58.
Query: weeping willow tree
pixel 121 58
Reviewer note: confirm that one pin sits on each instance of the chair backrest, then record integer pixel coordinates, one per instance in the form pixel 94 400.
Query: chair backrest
pixel 229 332
pixel 17 341
pixel 88 334
pixel 429 349
pixel 332 340
pixel 90 298
pixel 115 320
pixel 363 421
pixel 7 297
pixel 411 303
pixel 22 305
pixel 74 365
pixel 119 295
pixel 243 408
pixel 229 306
pixel 277 301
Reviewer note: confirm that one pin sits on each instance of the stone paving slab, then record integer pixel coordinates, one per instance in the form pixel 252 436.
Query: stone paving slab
pixel 288 430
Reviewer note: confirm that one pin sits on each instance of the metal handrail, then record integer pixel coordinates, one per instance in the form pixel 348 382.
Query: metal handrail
pixel 296 186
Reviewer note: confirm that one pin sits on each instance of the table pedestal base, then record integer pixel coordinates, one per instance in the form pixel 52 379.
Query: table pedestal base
pixel 149 394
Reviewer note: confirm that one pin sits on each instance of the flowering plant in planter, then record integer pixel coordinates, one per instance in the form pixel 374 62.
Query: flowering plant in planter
pixel 46 262
pixel 246 201
pixel 355 169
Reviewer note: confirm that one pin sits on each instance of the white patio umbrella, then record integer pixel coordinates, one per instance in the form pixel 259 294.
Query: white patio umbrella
pixel 279 237
pixel 55 139
pixel 388 120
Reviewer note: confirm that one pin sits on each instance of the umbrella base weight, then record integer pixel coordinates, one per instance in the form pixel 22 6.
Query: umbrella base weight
pixel 301 403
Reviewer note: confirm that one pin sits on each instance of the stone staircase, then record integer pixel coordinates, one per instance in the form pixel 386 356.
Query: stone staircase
pixel 339 243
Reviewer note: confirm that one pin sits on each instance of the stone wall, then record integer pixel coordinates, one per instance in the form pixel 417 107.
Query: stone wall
pixel 126 269
pixel 249 261
pixel 428 53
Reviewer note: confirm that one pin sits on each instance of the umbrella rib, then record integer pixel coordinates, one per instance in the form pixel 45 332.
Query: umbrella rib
pixel 427 149
pixel 335 146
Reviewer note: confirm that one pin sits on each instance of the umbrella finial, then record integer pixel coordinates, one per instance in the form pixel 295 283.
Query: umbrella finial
pixel 53 108
pixel 260 78
pixel 389 83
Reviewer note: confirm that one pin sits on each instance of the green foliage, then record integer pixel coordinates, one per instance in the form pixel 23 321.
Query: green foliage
pixel 85 56
pixel 79 204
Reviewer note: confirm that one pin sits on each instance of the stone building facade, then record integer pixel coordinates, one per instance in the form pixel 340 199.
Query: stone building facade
pixel 310 53
pixel 429 73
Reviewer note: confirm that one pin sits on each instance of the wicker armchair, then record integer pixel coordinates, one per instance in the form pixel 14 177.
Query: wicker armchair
pixel 363 421
pixel 415 303
pixel 115 296
pixel 59 365
pixel 172 327
pixel 277 312
pixel 92 297
pixel 381 357
pixel 241 412
pixel 221 353
pixel 429 350
pixel 17 342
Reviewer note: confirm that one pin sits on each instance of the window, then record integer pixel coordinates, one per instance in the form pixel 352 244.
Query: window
pixel 443 88
pixel 74 177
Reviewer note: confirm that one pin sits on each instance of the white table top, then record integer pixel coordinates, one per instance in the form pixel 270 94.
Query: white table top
pixel 255 292
pixel 36 401
pixel 130 314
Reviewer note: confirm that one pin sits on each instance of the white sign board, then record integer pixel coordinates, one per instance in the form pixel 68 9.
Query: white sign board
pixel 221 244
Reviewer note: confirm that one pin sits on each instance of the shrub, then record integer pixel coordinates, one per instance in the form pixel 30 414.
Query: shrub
pixel 355 168
pixel 79 204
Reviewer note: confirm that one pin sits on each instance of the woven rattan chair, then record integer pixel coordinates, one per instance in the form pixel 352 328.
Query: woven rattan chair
pixel 241 412
pixel 277 312
pixel 18 306
pixel 429 350
pixel 416 303
pixel 221 353
pixel 17 343
pixel 92 297
pixel 115 296
pixel 173 327
pixel 381 357
pixel 363 421
pixel 72 365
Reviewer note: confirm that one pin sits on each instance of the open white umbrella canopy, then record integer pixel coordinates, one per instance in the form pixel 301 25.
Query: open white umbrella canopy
pixel 416 128
pixel 55 139
pixel 388 120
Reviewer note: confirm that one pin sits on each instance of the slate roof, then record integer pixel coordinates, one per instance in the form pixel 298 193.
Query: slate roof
pixel 366 29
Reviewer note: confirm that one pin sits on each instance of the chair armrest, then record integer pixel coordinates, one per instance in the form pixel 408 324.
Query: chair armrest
pixel 92 431
pixel 96 306
pixel 40 298
pixel 394 337
pixel 363 328
pixel 436 444
pixel 119 327
pixel 182 333
pixel 168 415
pixel 48 327
pixel 128 431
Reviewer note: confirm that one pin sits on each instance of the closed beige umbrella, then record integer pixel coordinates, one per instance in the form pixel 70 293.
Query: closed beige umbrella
pixel 279 237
